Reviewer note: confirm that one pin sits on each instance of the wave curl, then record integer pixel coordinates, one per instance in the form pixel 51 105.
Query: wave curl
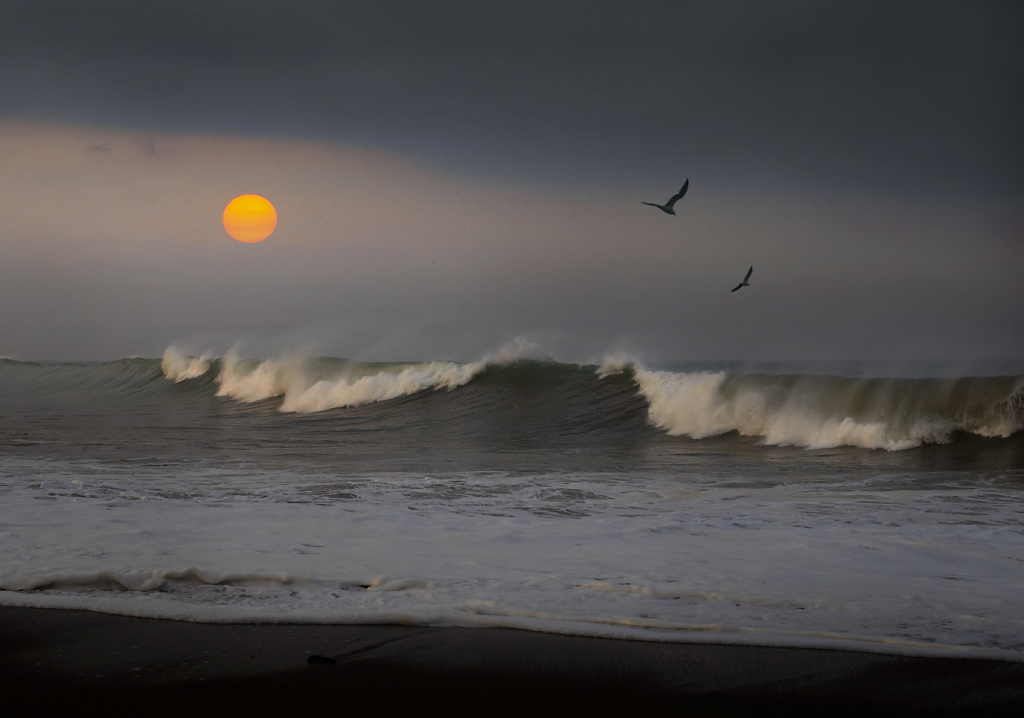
pixel 819 412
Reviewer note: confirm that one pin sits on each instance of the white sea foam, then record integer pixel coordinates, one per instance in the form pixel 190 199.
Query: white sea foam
pixel 793 565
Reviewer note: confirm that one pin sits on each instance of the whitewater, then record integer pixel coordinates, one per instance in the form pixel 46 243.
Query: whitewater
pixel 770 505
pixel 811 411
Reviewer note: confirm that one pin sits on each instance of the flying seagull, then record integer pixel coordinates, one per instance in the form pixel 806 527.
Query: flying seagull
pixel 746 280
pixel 667 207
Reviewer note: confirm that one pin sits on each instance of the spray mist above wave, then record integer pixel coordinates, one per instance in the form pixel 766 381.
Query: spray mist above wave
pixel 826 411
pixel 179 367
pixel 308 385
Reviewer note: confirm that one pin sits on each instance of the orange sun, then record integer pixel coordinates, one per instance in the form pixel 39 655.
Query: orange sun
pixel 250 218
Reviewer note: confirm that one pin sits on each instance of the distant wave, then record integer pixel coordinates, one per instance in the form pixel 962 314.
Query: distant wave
pixel 827 411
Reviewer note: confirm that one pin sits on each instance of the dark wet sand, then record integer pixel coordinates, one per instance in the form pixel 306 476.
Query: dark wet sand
pixel 62 661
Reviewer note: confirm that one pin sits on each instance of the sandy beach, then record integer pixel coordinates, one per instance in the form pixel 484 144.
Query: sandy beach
pixel 60 660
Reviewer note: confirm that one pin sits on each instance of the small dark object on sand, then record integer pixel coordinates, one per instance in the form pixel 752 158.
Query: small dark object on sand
pixel 319 660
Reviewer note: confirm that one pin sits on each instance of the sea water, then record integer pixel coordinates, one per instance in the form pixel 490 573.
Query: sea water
pixel 802 505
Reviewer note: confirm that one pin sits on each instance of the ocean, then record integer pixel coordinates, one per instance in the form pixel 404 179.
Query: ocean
pixel 837 505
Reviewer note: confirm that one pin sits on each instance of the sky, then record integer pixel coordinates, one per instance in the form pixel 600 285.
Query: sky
pixel 452 176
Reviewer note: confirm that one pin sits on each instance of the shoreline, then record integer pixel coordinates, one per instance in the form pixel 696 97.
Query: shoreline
pixel 61 659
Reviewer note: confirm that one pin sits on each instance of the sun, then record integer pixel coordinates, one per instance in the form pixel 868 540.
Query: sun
pixel 250 218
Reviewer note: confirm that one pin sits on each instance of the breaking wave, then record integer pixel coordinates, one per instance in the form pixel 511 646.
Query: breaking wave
pixel 827 411
pixel 519 393
pixel 309 385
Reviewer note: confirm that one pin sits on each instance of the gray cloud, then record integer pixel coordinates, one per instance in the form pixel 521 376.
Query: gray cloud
pixel 915 97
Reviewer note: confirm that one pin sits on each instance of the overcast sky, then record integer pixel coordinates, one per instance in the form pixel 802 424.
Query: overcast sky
pixel 451 175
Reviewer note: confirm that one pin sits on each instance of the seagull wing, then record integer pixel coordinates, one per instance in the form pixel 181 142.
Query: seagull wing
pixel 738 287
pixel 749 272
pixel 679 195
pixel 652 204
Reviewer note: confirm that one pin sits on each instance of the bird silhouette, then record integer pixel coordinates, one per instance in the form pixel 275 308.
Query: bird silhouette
pixel 667 208
pixel 746 280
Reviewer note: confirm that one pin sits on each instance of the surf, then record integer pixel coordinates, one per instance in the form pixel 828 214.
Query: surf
pixel 307 385
pixel 818 412
pixel 517 391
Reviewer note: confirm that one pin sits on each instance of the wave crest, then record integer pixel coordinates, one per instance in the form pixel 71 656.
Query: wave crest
pixel 809 410
pixel 179 367
pixel 308 386
pixel 826 411
pixel 301 394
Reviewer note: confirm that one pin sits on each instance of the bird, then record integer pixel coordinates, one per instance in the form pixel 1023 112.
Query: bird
pixel 667 208
pixel 746 280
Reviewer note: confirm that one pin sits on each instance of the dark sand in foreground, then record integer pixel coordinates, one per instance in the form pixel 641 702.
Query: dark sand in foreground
pixel 57 660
